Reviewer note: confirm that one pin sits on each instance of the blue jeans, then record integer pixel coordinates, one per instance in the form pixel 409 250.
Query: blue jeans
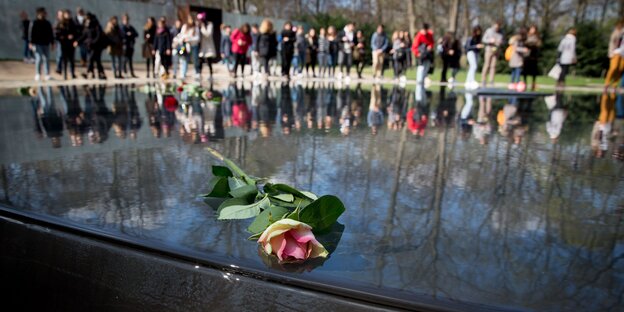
pixel 195 58
pixel 28 53
pixel 117 64
pixel 184 60
pixel 515 74
pixel 59 56
pixel 298 61
pixel 42 55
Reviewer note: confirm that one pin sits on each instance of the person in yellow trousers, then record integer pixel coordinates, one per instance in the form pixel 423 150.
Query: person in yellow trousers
pixel 616 56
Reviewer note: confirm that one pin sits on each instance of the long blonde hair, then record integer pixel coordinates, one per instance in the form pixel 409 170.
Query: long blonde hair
pixel 266 27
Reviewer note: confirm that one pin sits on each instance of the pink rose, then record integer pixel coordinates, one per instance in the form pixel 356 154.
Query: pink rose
pixel 291 241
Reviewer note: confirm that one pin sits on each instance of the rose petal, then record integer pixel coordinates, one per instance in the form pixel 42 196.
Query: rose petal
pixel 302 236
pixel 316 249
pixel 293 248
pixel 282 245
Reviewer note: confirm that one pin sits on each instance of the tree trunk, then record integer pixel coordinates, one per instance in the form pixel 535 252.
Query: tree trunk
pixel 453 15
pixel 411 16
pixel 467 21
pixel 527 13
pixel 621 9
pixel 513 12
pixel 318 6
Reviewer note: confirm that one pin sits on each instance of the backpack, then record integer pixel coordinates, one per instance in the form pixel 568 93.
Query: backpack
pixel 508 53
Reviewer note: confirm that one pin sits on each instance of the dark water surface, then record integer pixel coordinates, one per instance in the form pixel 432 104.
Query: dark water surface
pixel 520 209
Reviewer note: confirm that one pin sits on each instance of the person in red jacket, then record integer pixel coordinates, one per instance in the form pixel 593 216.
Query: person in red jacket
pixel 241 41
pixel 422 48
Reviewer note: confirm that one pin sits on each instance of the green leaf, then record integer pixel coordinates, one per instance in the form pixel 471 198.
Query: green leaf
pixel 243 211
pixel 309 195
pixel 289 198
pixel 266 218
pixel 321 214
pixel 218 188
pixel 232 202
pixel 235 183
pixel 221 171
pixel 291 190
pixel 247 191
pixel 298 202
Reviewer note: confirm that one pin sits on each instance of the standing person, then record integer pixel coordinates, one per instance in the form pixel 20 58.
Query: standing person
pixel 422 48
pixel 379 44
pixel 162 48
pixel 312 52
pixel 241 40
pixel 300 51
pixel 288 48
pixel 616 56
pixel 516 42
pixel 266 46
pixel 567 55
pixel 472 47
pixel 533 43
pixel 407 39
pixel 40 38
pixel 398 56
pixel 348 41
pixel 226 48
pixel 358 53
pixel 322 53
pixel 59 53
pixel 149 33
pixel 451 52
pixel 334 47
pixel 255 65
pixel 492 40
pixel 115 48
pixel 79 21
pixel 175 46
pixel 129 35
pixel 195 41
pixel 25 25
pixel 207 50
pixel 187 39
pixel 94 40
pixel 66 36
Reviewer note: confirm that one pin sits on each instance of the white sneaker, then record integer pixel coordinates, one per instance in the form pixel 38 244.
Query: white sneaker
pixel 402 79
pixel 427 82
pixel 37 77
pixel 347 79
pixel 451 81
pixel 339 76
pixel 48 78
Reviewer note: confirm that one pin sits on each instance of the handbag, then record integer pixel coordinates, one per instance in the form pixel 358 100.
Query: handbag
pixel 555 71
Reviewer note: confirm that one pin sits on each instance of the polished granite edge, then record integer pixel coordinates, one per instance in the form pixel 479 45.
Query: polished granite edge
pixel 222 264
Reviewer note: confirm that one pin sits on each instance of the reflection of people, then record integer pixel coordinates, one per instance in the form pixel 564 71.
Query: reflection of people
pixel 267 112
pixel 557 115
pixel 99 116
pixel 482 128
pixel 153 113
pixel 375 115
pixel 120 113
pixel 50 116
pixel 466 119
pixel 395 109
pixel 135 118
pixel 75 120
pixel 604 125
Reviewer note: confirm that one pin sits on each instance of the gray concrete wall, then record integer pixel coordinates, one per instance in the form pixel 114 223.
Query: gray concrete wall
pixel 11 45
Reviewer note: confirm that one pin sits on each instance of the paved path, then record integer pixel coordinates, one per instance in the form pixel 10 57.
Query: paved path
pixel 16 74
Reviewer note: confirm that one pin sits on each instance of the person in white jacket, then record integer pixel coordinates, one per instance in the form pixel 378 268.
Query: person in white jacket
pixel 567 55
pixel 207 50
pixel 185 40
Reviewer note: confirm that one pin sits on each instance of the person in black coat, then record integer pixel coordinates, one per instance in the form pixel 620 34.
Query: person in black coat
pixel 80 20
pixel 40 37
pixel 162 47
pixel 129 38
pixel 266 45
pixel 451 53
pixel 25 25
pixel 95 41
pixel 288 48
pixel 65 33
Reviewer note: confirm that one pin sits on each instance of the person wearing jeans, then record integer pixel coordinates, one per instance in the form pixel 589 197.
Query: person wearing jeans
pixel 422 48
pixel 41 37
pixel 115 49
pixel 379 44
pixel 129 35
pixel 567 52
pixel 473 45
pixel 517 59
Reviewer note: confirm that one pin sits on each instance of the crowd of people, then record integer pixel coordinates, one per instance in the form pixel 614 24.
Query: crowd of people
pixel 85 116
pixel 168 50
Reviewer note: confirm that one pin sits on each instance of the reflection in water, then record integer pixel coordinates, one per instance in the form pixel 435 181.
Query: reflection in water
pixel 438 203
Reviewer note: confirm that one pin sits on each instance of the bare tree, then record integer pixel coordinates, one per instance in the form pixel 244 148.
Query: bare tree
pixel 527 12
pixel 453 15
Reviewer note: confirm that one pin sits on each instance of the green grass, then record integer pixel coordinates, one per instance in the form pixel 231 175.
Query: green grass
pixel 575 81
